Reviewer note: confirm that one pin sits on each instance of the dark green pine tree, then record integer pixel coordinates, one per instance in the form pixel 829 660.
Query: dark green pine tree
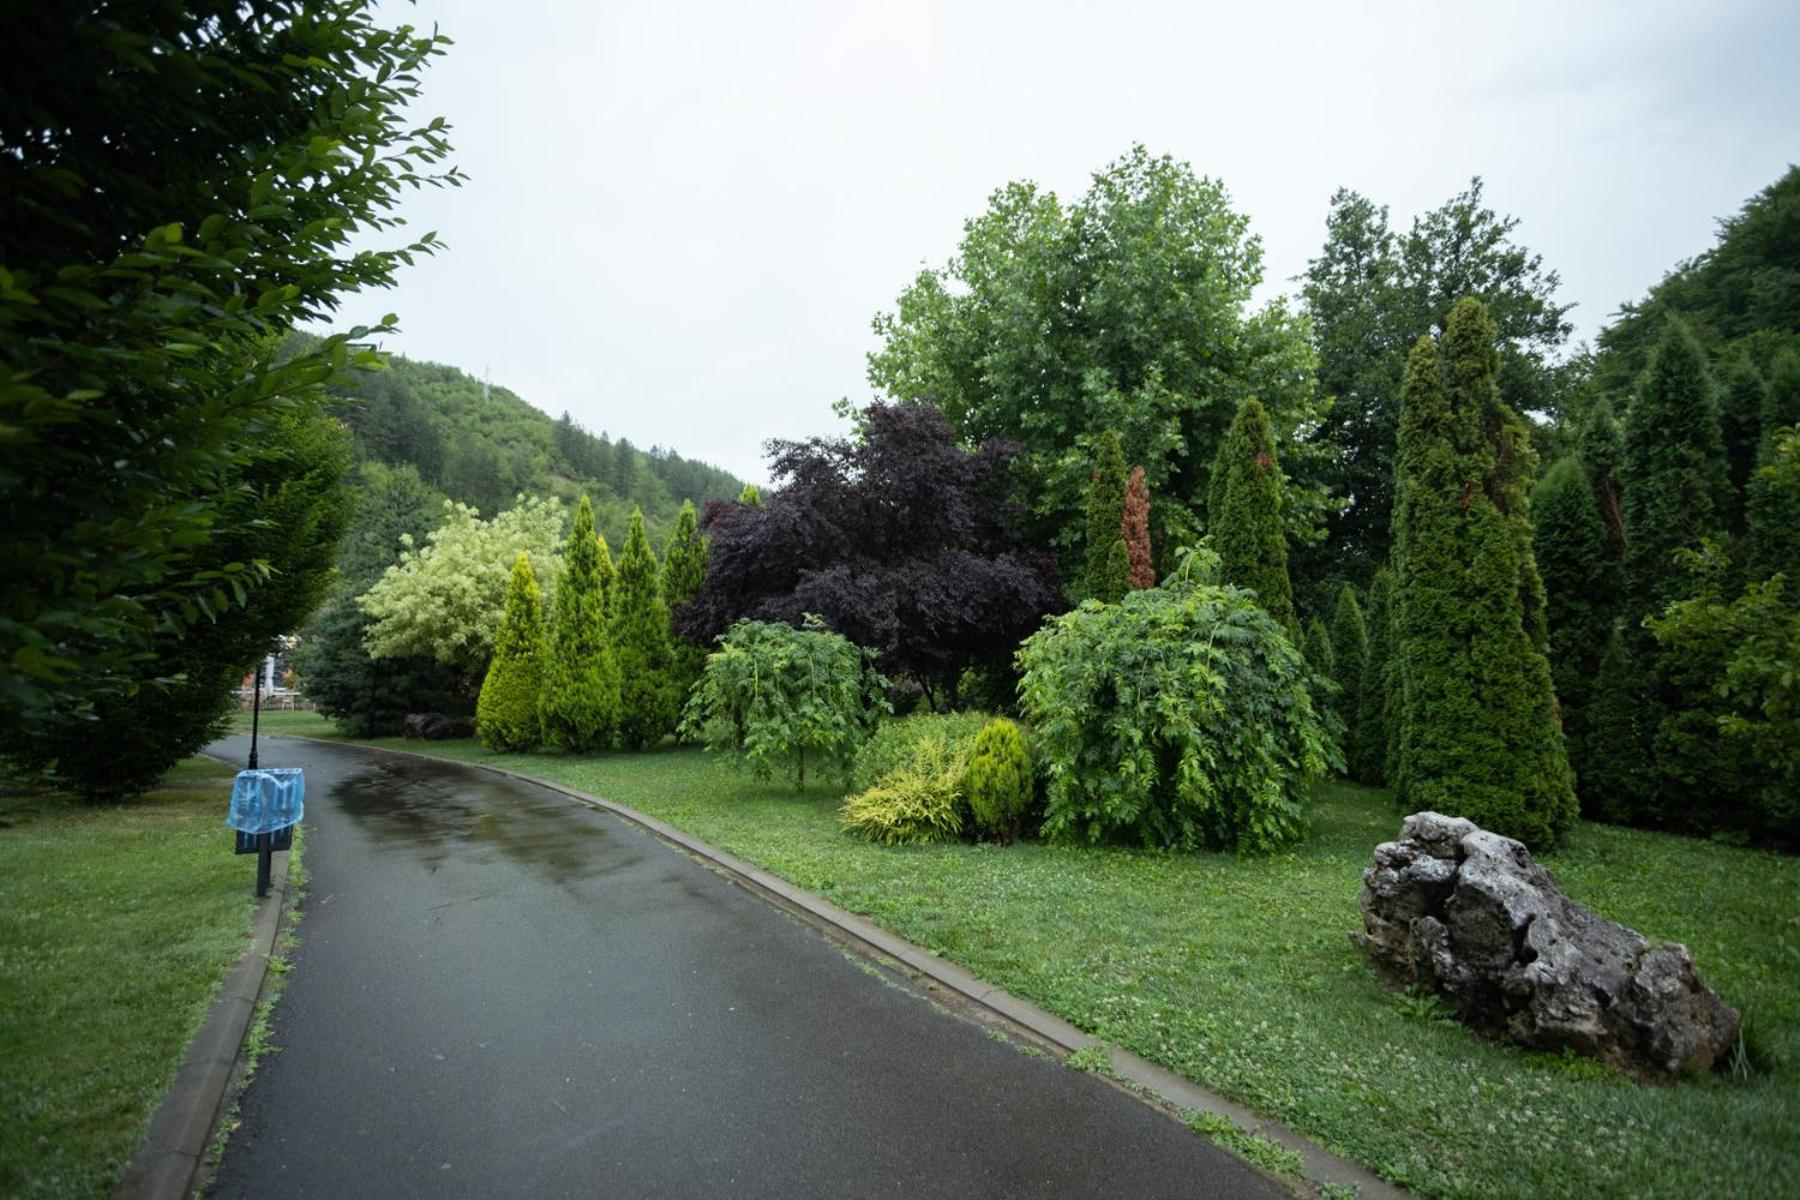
pixel 640 628
pixel 1245 516
pixel 1481 737
pixel 1574 552
pixel 1114 579
pixel 1368 742
pixel 1613 769
pixel 506 715
pixel 683 571
pixel 1320 653
pixel 1105 516
pixel 1350 653
pixel 1601 449
pixel 1774 498
pixel 1675 476
pixel 579 701
pixel 1740 432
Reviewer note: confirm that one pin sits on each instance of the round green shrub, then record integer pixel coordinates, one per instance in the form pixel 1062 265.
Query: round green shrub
pixel 998 782
pixel 1179 717
pixel 895 742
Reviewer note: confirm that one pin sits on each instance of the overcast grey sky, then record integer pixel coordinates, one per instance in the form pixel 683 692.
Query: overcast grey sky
pixel 681 217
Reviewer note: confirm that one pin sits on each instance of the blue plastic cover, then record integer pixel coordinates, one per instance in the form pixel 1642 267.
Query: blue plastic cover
pixel 268 799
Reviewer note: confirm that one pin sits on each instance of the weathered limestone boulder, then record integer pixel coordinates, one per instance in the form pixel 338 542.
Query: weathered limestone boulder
pixel 436 727
pixel 1455 910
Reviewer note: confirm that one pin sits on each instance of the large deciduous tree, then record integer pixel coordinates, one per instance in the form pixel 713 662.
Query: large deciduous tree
pixel 1126 309
pixel 1480 737
pixel 903 541
pixel 179 184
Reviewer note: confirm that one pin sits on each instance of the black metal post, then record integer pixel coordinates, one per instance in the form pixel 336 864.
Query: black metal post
pixel 263 856
pixel 263 840
pixel 255 711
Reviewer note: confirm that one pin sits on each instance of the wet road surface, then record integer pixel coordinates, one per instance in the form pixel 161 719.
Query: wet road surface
pixel 500 992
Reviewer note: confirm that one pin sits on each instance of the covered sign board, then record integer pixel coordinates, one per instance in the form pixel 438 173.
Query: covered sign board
pixel 266 800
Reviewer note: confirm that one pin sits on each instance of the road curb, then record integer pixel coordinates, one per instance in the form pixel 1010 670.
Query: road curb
pixel 165 1165
pixel 1321 1166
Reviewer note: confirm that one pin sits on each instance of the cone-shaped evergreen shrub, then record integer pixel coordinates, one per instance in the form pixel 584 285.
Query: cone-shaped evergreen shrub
pixel 1774 496
pixel 579 701
pixel 998 783
pixel 1320 653
pixel 1245 518
pixel 1349 653
pixel 1368 742
pixel 606 575
pixel 506 715
pixel 1114 579
pixel 1105 515
pixel 1614 767
pixel 1581 579
pixel 641 639
pixel 1740 431
pixel 1601 450
pixel 1136 529
pixel 684 570
pixel 1481 737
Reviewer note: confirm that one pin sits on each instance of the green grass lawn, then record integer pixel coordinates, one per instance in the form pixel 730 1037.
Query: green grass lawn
pixel 1239 974
pixel 283 720
pixel 117 925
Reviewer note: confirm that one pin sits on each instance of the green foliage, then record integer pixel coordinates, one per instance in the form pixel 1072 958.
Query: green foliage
pixel 177 187
pixel 918 802
pixel 890 746
pixel 1114 578
pixel 1601 449
pixel 445 599
pixel 1480 737
pixel 506 715
pixel 1349 638
pixel 1773 504
pixel 1245 517
pixel 650 703
pixel 751 495
pixel 578 704
pixel 1320 655
pixel 1178 717
pixel 998 783
pixel 684 570
pixel 774 696
pixel 1105 519
pixel 1741 400
pixel 1581 579
pixel 1369 735
pixel 1127 309
pixel 1613 770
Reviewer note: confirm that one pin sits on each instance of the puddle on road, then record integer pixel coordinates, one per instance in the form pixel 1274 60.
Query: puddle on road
pixel 443 815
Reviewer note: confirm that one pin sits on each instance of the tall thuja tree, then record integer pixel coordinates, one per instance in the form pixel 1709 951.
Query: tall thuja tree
pixel 1245 515
pixel 579 701
pixel 1601 449
pixel 1368 742
pixel 1135 529
pixel 640 627
pixel 1481 737
pixel 1321 655
pixel 1773 504
pixel 683 571
pixel 606 574
pixel 1741 401
pixel 1581 579
pixel 506 716
pixel 1105 518
pixel 1675 477
pixel 1350 653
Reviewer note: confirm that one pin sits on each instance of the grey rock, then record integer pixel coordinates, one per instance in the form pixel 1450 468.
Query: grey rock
pixel 1455 910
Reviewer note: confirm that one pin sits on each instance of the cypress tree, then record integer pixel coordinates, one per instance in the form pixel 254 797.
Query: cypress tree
pixel 1106 512
pixel 1246 514
pixel 1574 552
pixel 1774 497
pixel 579 701
pixel 1135 529
pixel 1613 766
pixel 1601 449
pixel 1481 737
pixel 1350 654
pixel 506 715
pixel 1320 653
pixel 640 629
pixel 1675 475
pixel 1114 579
pixel 1740 433
pixel 683 571
pixel 751 495
pixel 1368 742
pixel 605 574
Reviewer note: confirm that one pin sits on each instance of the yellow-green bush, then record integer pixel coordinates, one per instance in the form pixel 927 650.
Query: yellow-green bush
pixel 918 802
pixel 998 782
pixel 894 743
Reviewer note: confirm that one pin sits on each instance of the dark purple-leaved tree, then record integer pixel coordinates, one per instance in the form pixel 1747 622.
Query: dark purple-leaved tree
pixel 902 540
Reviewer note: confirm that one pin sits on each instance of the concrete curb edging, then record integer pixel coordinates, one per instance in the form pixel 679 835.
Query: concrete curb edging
pixel 1320 1166
pixel 166 1163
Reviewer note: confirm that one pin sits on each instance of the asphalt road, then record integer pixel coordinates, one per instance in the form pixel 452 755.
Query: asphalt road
pixel 500 992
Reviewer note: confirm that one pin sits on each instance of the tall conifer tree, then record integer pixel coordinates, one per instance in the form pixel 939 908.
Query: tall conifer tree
pixel 1481 736
pixel 506 715
pixel 579 701
pixel 1601 449
pixel 1368 742
pixel 1774 497
pixel 1350 653
pixel 641 639
pixel 1740 432
pixel 683 571
pixel 1245 516
pixel 1105 513
pixel 1136 530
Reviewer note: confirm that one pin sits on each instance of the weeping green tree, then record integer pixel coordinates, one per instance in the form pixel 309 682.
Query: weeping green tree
pixel 641 639
pixel 1368 742
pixel 683 571
pixel 1245 515
pixel 1350 653
pixel 579 700
pixel 1481 738
pixel 506 716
